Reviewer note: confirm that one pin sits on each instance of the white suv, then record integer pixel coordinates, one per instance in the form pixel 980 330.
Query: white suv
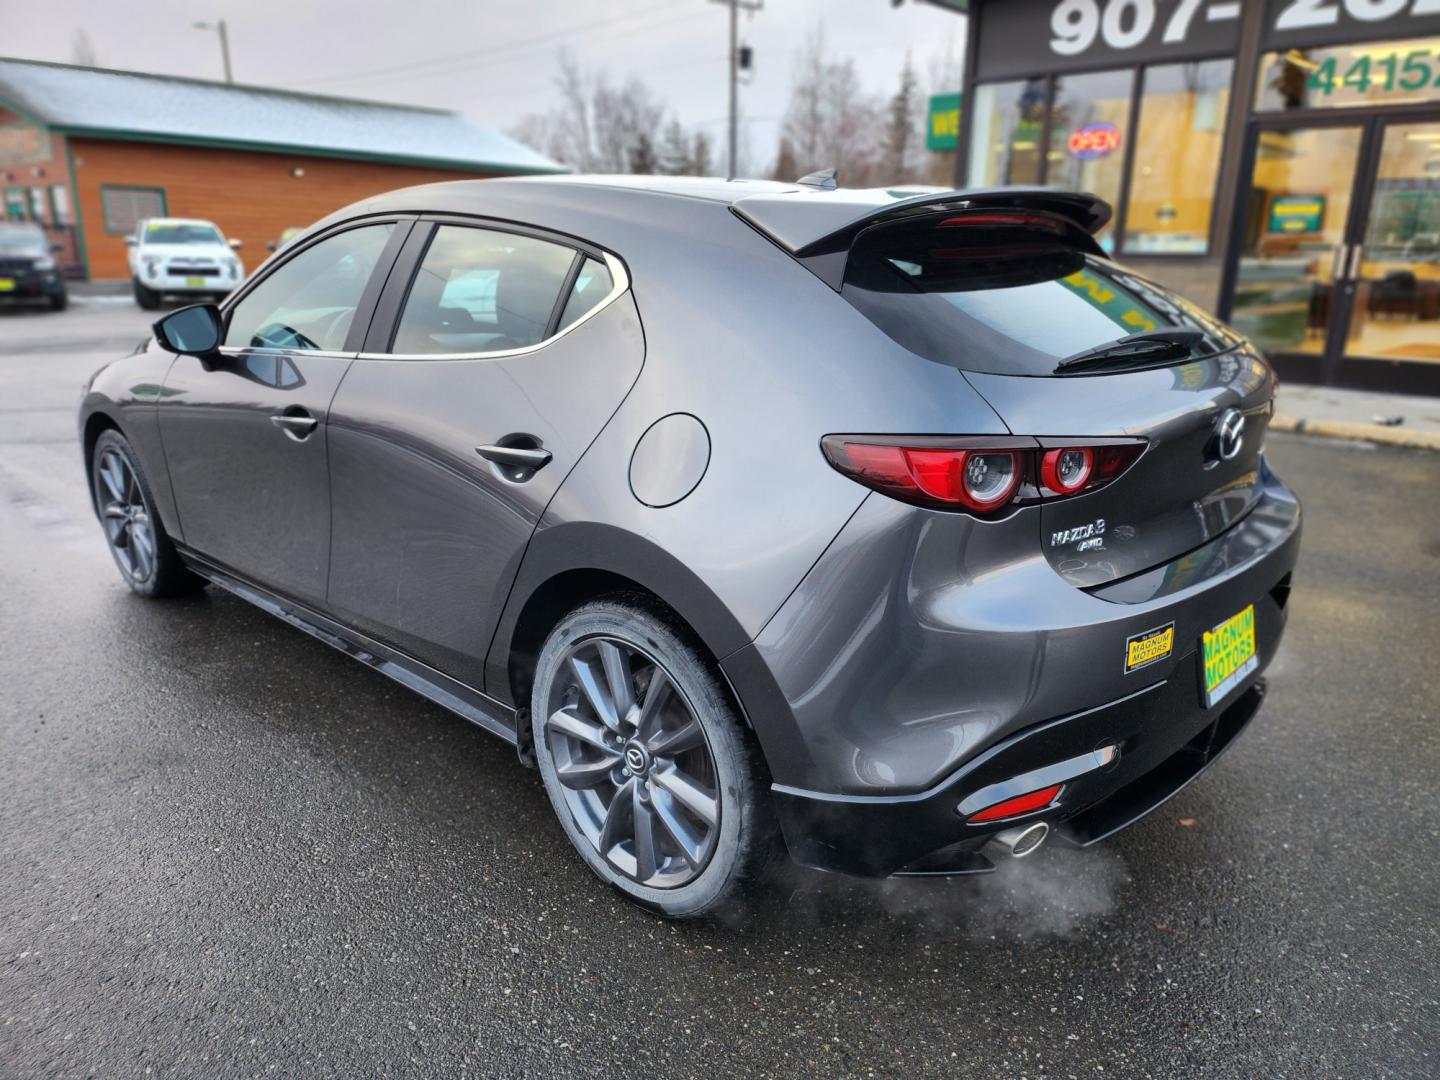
pixel 181 256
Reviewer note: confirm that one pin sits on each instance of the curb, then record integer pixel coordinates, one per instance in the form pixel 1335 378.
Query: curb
pixel 1344 429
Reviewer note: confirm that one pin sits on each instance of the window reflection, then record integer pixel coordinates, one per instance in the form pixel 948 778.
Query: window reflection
pixel 1177 157
pixel 1005 137
pixel 1088 134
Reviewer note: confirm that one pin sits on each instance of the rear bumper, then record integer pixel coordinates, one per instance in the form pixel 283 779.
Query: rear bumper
pixel 884 698
pixel 35 285
pixel 1165 742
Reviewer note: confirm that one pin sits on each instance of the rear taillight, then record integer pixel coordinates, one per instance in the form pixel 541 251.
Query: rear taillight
pixel 985 476
pixel 1066 469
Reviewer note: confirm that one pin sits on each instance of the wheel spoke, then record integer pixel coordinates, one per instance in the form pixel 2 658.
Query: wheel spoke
pixel 657 695
pixel 699 800
pixel 567 723
pixel 646 860
pixel 618 677
pixel 114 510
pixel 691 845
pixel 595 692
pixel 618 819
pixel 587 774
pixel 112 480
pixel 144 547
pixel 669 743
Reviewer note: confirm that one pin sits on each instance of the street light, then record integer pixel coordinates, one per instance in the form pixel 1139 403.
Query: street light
pixel 219 27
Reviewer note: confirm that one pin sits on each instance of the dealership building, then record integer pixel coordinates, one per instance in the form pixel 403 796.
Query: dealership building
pixel 86 153
pixel 1275 160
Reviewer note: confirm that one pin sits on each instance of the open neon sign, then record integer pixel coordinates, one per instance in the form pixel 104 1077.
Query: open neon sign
pixel 1094 140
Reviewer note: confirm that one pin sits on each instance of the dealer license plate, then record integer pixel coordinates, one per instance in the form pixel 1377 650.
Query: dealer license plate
pixel 7 284
pixel 195 282
pixel 1228 652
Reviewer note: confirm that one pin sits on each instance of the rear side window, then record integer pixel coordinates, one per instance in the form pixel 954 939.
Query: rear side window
pixel 479 290
pixel 592 285
pixel 1009 299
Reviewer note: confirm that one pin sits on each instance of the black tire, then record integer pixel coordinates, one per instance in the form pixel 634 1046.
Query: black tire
pixel 59 301
pixel 147 298
pixel 739 844
pixel 154 569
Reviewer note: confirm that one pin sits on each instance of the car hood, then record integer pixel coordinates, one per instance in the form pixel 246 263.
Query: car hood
pixel 185 251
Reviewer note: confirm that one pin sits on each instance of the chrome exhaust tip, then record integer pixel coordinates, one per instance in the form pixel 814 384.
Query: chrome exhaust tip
pixel 1020 841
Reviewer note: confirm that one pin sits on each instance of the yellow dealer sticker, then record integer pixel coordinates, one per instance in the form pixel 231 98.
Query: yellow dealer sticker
pixel 1142 650
pixel 7 284
pixel 1229 654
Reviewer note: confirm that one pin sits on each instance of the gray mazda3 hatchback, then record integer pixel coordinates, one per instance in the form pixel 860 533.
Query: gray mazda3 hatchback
pixel 901 528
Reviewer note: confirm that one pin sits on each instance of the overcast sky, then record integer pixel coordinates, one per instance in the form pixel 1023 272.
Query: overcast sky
pixel 492 60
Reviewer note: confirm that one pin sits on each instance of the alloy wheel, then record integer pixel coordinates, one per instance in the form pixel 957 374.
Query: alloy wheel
pixel 128 525
pixel 635 767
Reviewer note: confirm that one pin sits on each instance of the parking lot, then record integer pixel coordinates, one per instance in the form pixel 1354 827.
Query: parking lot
pixel 228 850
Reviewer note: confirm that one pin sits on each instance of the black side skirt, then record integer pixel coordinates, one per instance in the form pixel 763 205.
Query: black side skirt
pixel 475 706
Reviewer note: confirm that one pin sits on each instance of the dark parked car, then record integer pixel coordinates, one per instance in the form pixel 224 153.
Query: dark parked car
pixel 911 529
pixel 28 272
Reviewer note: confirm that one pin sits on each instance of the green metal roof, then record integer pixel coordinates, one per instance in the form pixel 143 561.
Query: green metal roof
pixel 160 108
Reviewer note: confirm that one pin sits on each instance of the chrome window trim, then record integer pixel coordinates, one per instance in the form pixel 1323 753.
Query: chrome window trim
pixel 271 350
pixel 620 283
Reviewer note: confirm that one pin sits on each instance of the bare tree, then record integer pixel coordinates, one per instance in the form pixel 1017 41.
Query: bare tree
pixel 674 150
pixel 82 51
pixel 900 131
pixel 830 119
pixel 602 128
pixel 701 159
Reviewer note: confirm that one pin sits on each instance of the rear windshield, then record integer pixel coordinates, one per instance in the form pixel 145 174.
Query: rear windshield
pixel 1005 299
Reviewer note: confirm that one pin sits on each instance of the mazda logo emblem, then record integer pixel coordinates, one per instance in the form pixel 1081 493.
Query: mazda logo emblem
pixel 1229 433
pixel 635 758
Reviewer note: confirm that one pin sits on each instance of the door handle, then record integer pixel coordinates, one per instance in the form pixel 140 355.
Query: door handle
pixel 519 460
pixel 1337 263
pixel 297 424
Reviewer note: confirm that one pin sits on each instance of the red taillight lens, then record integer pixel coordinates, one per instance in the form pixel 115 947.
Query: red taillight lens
pixel 1067 469
pixel 973 478
pixel 982 474
pixel 1020 804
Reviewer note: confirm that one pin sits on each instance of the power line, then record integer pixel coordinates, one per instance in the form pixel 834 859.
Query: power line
pixel 447 64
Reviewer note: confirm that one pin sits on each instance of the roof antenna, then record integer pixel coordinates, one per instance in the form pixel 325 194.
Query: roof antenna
pixel 823 180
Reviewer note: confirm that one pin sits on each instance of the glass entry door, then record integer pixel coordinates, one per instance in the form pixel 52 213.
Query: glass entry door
pixel 1293 250
pixel 1395 262
pixel 1336 262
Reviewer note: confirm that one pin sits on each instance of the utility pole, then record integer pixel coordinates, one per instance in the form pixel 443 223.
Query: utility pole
pixel 735 6
pixel 219 27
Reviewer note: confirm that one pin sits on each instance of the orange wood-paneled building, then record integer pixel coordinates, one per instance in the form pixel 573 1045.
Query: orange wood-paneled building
pixel 87 152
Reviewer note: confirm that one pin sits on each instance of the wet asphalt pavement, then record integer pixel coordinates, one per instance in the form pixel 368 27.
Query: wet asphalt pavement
pixel 228 850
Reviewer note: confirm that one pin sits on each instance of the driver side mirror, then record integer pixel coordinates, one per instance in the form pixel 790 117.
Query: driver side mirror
pixel 235 245
pixel 194 331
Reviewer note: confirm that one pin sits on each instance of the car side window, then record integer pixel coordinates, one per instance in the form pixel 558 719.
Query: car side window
pixel 480 290
pixel 592 285
pixel 309 302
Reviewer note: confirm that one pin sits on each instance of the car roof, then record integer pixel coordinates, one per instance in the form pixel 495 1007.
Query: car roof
pixel 177 221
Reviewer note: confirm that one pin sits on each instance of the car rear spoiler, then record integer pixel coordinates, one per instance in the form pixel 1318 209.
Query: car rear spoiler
pixel 818 227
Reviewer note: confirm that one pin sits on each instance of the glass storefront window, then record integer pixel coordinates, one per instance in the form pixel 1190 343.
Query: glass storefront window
pixel 1372 73
pixel 1005 133
pixel 1088 134
pixel 1177 156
